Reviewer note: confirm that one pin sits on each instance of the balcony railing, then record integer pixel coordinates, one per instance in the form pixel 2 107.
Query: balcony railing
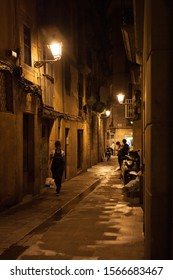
pixel 129 113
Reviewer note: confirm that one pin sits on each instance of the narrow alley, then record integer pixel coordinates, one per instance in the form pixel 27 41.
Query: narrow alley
pixel 94 76
pixel 91 220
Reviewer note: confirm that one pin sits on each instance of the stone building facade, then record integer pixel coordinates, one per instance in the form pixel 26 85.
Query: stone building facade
pixel 58 100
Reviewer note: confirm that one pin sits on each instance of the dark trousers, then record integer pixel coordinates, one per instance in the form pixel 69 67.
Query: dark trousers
pixel 58 184
pixel 58 178
pixel 121 157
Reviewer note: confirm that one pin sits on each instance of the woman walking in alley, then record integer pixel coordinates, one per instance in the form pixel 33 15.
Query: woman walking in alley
pixel 57 158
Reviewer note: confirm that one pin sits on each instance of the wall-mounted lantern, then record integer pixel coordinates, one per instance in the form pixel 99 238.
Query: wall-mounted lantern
pixel 56 50
pixel 108 112
pixel 13 54
pixel 121 98
pixel 105 113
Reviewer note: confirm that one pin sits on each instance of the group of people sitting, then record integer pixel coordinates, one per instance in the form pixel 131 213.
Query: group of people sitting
pixel 119 149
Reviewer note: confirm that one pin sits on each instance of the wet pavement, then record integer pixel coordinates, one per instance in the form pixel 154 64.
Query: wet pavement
pixel 91 219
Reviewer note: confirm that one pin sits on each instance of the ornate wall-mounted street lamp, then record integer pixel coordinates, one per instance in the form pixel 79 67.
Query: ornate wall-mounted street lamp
pixel 56 50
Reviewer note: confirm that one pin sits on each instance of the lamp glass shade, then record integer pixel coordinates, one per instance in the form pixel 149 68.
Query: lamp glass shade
pixel 120 97
pixel 56 50
pixel 108 113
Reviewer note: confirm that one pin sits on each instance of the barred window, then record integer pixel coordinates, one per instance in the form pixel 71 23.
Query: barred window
pixel 6 93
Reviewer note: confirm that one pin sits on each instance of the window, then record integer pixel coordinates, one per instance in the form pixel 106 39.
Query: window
pixel 6 93
pixel 27 45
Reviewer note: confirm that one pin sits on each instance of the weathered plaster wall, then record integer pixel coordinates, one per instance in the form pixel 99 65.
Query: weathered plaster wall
pixel 157 129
